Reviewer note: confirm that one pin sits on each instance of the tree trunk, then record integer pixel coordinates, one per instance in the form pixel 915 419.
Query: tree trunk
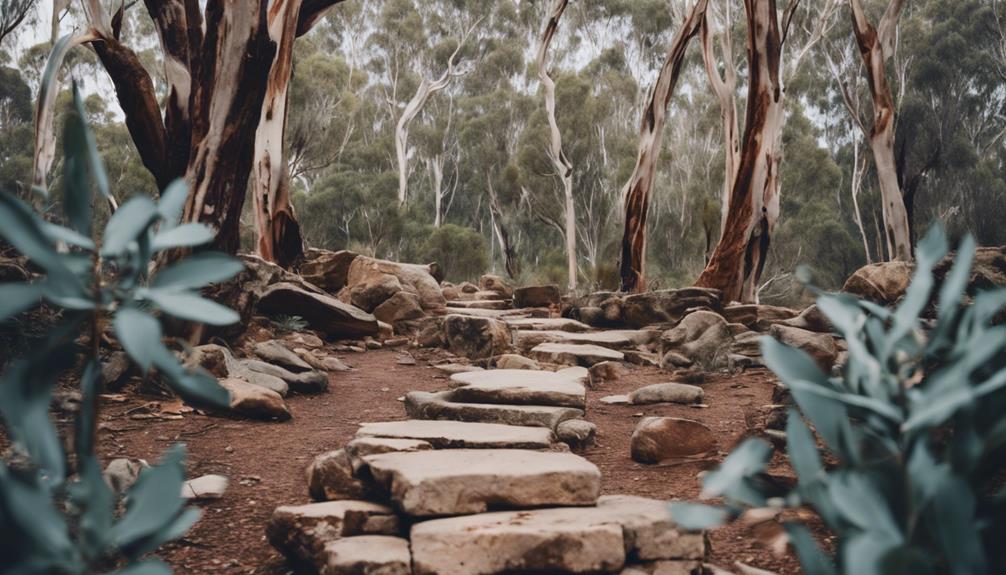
pixel 636 192
pixel 875 46
pixel 739 258
pixel 436 167
pixel 725 88
pixel 560 163
pixel 502 235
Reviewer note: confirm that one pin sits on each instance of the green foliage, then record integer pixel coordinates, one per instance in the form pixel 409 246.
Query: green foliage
pixel 289 323
pixel 460 251
pixel 913 427
pixel 59 517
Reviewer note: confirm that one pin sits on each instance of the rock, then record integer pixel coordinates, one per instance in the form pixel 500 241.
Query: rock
pixel 616 400
pixel 810 319
pixel 122 473
pixel 468 287
pixel 593 316
pixel 748 344
pixel 637 357
pixel 489 304
pixel 361 447
pixel 303 382
pixel 548 324
pixel 210 357
pixel 514 361
pixel 402 306
pixel 275 352
pixel 558 540
pixel 301 532
pixel 536 296
pixel 820 346
pixel 371 281
pixel 330 477
pixel 460 434
pixel 495 283
pixel 575 354
pixel 665 439
pixel 667 393
pixel 605 371
pixel 450 293
pixel 326 269
pixel 575 372
pixel 518 387
pixel 255 401
pixel 325 313
pixel 115 368
pixel 463 481
pixel 452 368
pixel 702 337
pixel 757 316
pixel 334 364
pixel 238 369
pixel 367 555
pixel 611 339
pixel 437 406
pixel 648 308
pixel 883 283
pixel 665 567
pixel 429 332
pixel 576 432
pixel 205 488
pixel 476 338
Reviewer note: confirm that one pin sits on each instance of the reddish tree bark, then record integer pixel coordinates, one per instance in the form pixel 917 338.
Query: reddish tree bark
pixel 636 192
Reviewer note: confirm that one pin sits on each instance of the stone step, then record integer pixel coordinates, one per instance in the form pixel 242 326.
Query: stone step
pixel 497 304
pixel 439 406
pixel 367 555
pixel 493 313
pixel 574 354
pixel 301 532
pixel 548 324
pixel 465 481
pixel 518 387
pixel 613 339
pixel 558 540
pixel 460 434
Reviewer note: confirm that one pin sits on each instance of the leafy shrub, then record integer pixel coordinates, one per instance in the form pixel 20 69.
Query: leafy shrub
pixel 57 513
pixel 289 323
pixel 460 251
pixel 914 426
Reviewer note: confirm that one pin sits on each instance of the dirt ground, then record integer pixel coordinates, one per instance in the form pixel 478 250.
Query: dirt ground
pixel 265 461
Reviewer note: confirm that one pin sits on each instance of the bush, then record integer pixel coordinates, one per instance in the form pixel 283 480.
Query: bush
pixel 914 426
pixel 460 251
pixel 56 512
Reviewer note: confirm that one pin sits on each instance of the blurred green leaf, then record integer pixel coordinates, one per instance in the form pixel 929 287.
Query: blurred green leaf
pixel 802 448
pixel 172 204
pixel 18 297
pixel 43 533
pixel 697 516
pixel 813 561
pixel 187 305
pixel 97 503
pixel 197 271
pixel 127 223
pixel 154 503
pixel 183 236
pixel 748 459
pixel 58 233
pixel 140 335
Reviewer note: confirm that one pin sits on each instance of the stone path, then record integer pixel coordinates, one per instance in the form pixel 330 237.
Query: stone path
pixel 479 481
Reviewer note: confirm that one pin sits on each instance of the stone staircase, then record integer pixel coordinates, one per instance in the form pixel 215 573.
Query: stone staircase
pixel 478 481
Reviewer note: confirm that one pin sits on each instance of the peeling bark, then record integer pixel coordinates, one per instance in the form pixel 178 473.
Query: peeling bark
pixel 725 88
pixel 876 45
pixel 560 163
pixel 636 192
pixel 739 258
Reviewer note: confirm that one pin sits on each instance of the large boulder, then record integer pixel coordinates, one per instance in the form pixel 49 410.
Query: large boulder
pixel 323 312
pixel 402 306
pixel 255 401
pixel 882 283
pixel 327 269
pixel 820 346
pixel 370 281
pixel 476 337
pixel 702 337
pixel 665 439
pixel 494 283
pixel 301 532
pixel 536 296
pixel 643 309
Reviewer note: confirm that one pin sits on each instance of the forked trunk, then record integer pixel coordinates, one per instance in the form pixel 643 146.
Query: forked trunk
pixel 636 192
pixel 739 258
pixel 560 163
pixel 725 88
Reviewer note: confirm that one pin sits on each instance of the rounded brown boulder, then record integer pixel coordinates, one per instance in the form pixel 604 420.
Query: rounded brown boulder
pixel 664 439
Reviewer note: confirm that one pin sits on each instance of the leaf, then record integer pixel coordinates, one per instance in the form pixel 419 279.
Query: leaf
pixel 183 236
pixel 90 387
pixel 862 503
pixel 155 502
pixel 802 448
pixel 743 462
pixel 23 229
pixel 789 363
pixel 95 498
pixel 127 223
pixel 867 553
pixel 18 297
pixel 697 516
pixel 148 567
pixel 172 204
pixel 29 515
pixel 198 270
pixel 58 233
pixel 957 280
pixel 140 335
pixel 874 405
pixel 81 156
pixel 955 526
pixel 812 559
pixel 196 387
pixel 187 305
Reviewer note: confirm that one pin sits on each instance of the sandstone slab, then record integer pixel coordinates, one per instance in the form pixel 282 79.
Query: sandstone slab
pixel 576 432
pixel 255 401
pixel 537 296
pixel 279 354
pixel 558 540
pixel 302 531
pixel 518 387
pixel 575 354
pixel 367 555
pixel 324 313
pixel 461 434
pixel 514 361
pixel 666 393
pixel 548 324
pixel 362 447
pixel 438 406
pixel 464 481
pixel 330 477
pixel 664 439
pixel 495 304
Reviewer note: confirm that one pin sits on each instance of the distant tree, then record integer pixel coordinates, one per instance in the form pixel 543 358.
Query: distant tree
pixel 12 14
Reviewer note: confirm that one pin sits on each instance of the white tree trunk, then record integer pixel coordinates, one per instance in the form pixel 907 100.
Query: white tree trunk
pixel 725 88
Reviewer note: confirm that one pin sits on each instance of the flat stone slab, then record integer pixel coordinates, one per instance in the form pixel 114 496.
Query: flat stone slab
pixel 575 354
pixel 465 481
pixel 548 324
pixel 461 434
pixel 613 339
pixel 616 400
pixel 672 392
pixel 519 387
pixel 452 368
pixel 302 531
pixel 493 313
pixel 497 304
pixel 439 406
pixel 577 540
pixel 367 555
